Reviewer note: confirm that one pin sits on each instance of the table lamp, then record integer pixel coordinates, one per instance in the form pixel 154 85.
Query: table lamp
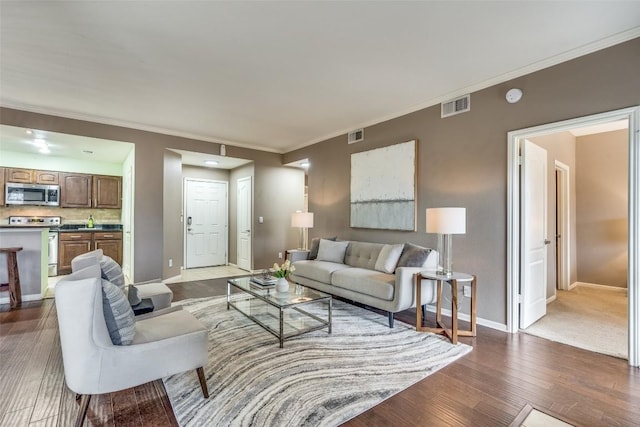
pixel 302 220
pixel 446 222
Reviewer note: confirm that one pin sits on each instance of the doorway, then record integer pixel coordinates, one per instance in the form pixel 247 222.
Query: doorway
pixel 514 273
pixel 206 208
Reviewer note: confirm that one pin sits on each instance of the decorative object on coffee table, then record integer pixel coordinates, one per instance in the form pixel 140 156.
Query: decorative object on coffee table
pixel 281 272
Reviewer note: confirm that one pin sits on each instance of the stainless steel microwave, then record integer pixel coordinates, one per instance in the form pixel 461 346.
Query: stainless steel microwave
pixel 32 194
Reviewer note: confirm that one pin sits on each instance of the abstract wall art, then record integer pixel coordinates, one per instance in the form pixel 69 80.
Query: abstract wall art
pixel 383 187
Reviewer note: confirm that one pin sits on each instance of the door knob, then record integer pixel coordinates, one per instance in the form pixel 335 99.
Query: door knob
pixel 547 241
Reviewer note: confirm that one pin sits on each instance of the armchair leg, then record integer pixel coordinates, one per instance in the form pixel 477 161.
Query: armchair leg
pixel 203 382
pixel 391 319
pixel 84 405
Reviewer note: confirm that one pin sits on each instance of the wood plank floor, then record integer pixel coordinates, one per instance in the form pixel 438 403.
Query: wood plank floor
pixel 488 387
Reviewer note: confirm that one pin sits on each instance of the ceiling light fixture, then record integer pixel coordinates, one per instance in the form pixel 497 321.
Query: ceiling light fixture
pixel 28 131
pixel 304 164
pixel 210 162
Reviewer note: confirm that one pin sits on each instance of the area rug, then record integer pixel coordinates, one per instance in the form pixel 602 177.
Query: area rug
pixel 317 379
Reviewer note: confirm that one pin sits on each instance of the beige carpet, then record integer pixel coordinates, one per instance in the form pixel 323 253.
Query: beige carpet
pixel 594 319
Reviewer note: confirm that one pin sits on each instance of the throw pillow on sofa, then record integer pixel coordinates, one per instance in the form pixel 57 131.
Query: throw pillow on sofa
pixel 413 255
pixel 332 251
pixel 315 245
pixel 388 258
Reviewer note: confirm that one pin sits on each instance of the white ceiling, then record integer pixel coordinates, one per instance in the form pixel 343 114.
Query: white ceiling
pixel 280 75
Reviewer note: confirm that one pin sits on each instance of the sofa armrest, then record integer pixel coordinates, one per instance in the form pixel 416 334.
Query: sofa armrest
pixel 405 289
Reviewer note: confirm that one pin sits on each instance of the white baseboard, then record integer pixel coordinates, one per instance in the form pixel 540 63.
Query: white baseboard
pixel 480 321
pixel 552 298
pixel 172 279
pixel 573 285
pixel 603 287
pixel 25 298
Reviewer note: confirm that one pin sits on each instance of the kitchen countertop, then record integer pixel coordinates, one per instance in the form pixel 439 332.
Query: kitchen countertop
pixel 83 227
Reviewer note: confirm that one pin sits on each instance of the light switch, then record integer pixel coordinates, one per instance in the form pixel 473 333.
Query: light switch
pixel 260 219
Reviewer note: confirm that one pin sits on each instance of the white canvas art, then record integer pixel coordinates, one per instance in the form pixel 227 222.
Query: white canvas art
pixel 383 190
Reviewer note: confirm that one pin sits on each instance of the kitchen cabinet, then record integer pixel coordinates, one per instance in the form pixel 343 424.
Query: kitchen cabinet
pixel 79 190
pixel 107 192
pixel 75 190
pixel 46 177
pixel 31 176
pixel 110 243
pixel 72 244
pixel 23 176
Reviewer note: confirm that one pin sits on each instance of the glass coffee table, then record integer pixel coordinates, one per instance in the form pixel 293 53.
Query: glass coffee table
pixel 281 314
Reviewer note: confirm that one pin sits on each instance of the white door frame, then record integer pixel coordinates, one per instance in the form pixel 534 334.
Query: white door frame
pixel 632 114
pixel 238 232
pixel 563 221
pixel 185 225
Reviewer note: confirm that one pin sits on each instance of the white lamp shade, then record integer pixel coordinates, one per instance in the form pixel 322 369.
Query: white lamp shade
pixel 447 220
pixel 302 219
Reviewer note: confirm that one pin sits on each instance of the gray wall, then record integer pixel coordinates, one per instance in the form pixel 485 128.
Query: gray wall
pixel 562 147
pixel 190 171
pixel 462 160
pixel 602 209
pixel 172 230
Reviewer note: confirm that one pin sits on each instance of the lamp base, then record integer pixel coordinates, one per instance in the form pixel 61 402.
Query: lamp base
pixel 445 254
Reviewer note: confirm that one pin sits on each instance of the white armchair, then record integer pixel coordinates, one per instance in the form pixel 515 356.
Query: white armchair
pixel 163 345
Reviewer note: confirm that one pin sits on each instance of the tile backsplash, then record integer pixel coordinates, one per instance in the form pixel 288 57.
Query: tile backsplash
pixel 68 215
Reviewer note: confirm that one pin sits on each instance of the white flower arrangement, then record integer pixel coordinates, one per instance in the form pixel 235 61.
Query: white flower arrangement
pixel 283 270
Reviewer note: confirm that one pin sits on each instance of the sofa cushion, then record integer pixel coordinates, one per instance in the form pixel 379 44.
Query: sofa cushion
pixel 319 271
pixel 315 245
pixel 332 251
pixel 388 258
pixel 118 314
pixel 111 271
pixel 413 256
pixel 90 272
pixel 363 254
pixel 365 281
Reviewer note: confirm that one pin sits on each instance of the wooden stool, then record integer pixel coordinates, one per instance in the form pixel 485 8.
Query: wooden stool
pixel 15 294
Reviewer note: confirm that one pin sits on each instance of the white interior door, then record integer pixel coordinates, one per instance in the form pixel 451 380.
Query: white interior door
pixel 244 223
pixel 533 286
pixel 206 223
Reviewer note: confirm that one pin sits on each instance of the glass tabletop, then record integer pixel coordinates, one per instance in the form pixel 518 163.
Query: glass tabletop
pixel 297 294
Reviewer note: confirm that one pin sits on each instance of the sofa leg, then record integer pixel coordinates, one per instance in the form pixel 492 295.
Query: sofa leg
pixel 424 311
pixel 390 319
pixel 203 382
pixel 84 405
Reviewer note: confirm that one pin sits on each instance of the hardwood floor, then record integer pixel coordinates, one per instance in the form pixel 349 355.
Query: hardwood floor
pixel 488 387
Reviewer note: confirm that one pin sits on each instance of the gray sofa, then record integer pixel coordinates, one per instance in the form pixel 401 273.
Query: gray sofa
pixel 373 274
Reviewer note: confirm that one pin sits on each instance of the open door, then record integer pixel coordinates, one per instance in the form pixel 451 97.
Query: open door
pixel 533 222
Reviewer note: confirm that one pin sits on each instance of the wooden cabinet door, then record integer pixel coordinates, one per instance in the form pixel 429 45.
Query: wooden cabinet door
pixel 75 190
pixel 107 192
pixel 46 177
pixel 24 176
pixel 70 246
pixel 110 243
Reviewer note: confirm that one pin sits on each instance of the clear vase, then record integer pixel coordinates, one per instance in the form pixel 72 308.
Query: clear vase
pixel 282 285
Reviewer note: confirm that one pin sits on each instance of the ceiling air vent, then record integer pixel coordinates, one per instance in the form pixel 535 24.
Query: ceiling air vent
pixel 456 106
pixel 355 136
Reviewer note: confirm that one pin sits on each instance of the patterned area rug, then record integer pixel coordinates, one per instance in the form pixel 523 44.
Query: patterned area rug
pixel 317 379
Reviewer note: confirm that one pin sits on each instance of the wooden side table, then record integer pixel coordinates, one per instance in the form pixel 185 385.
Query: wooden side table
pixel 453 281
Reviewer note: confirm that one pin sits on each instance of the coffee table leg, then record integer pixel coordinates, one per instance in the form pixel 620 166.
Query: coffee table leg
pixel 281 328
pixel 228 294
pixel 330 305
